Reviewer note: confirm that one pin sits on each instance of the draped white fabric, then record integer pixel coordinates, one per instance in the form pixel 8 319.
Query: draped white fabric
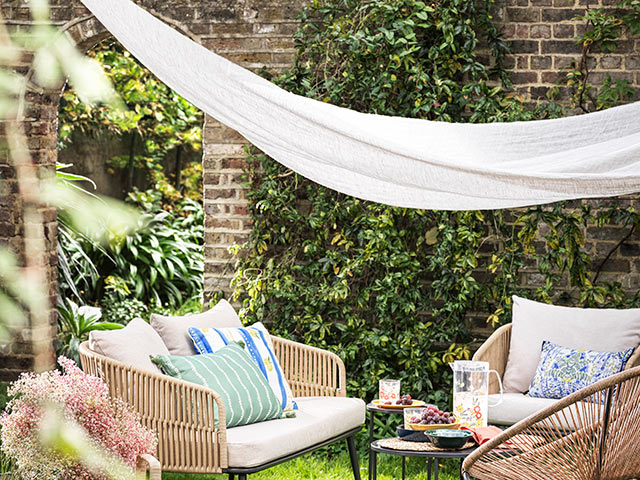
pixel 396 161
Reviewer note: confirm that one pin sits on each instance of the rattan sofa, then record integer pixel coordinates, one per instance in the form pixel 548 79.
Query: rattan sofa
pixel 182 414
pixel 515 407
pixel 589 435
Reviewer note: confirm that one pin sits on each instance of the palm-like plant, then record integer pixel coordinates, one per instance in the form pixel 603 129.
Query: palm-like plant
pixel 74 325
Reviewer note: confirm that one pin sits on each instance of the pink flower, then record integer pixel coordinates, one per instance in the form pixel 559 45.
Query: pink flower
pixel 84 399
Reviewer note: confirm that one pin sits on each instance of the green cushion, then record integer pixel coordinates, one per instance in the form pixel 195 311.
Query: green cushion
pixel 231 372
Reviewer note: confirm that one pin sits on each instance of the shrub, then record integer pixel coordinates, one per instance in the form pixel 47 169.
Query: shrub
pixel 74 325
pixel 387 288
pixel 122 311
pixel 394 291
pixel 158 123
pixel 112 425
pixel 162 263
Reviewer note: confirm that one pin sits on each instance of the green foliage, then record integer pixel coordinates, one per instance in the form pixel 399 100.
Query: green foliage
pixel 387 288
pixel 118 310
pixel 74 325
pixel 163 261
pixel 391 290
pixel 159 264
pixel 158 122
pixel 405 58
pixel 7 466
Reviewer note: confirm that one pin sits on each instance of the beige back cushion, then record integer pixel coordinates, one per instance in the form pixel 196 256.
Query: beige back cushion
pixel 174 333
pixel 604 330
pixel 132 345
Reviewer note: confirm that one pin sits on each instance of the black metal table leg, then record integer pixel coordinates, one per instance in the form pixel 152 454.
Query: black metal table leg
pixel 403 468
pixel 429 468
pixel 371 453
pixel 373 473
pixel 435 470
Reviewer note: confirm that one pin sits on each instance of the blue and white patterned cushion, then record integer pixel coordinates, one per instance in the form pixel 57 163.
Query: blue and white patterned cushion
pixel 563 371
pixel 257 343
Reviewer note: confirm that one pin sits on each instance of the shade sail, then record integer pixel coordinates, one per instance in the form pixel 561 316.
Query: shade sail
pixel 397 161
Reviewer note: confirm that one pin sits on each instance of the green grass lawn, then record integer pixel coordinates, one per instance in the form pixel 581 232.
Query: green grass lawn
pixel 319 467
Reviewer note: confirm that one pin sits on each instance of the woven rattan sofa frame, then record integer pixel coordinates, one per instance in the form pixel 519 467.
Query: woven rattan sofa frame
pixel 592 439
pixel 495 350
pixel 182 413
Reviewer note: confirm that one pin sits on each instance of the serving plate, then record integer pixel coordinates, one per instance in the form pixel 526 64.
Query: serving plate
pixel 414 403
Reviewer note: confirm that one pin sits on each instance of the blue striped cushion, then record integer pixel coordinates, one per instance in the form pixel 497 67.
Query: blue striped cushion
pixel 257 342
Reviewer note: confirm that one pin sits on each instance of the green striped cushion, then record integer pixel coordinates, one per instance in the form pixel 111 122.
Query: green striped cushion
pixel 231 372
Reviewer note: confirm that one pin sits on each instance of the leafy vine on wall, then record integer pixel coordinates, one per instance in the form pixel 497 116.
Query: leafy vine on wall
pixel 395 291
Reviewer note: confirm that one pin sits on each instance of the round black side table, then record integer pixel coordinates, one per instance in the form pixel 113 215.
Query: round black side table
pixel 373 409
pixel 375 448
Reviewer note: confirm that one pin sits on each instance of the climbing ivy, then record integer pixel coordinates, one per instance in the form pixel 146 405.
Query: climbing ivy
pixel 603 32
pixel 396 291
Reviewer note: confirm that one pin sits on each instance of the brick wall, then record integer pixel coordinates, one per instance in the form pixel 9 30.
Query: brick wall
pixel 542 34
pixel 257 33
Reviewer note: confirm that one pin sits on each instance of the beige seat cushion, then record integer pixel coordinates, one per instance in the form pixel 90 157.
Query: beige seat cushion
pixel 604 330
pixel 132 345
pixel 318 419
pixel 174 330
pixel 518 406
pixel 515 407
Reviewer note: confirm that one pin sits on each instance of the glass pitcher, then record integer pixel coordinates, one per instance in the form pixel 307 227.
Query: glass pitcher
pixel 471 392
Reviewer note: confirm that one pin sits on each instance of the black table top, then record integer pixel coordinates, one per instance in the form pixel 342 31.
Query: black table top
pixel 433 454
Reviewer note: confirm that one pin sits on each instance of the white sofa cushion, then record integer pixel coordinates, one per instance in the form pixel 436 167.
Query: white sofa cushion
pixel 174 330
pixel 133 345
pixel 317 419
pixel 604 330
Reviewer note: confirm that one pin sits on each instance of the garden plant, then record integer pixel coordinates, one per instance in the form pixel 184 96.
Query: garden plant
pixel 395 291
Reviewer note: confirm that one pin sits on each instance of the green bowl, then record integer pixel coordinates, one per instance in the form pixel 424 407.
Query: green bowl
pixel 448 438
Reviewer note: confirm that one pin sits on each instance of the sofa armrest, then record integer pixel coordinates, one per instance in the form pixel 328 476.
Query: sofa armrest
pixel 181 413
pixel 311 371
pixel 149 463
pixel 495 350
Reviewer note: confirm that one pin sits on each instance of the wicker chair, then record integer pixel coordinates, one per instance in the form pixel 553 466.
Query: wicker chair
pixel 496 351
pixel 182 413
pixel 589 435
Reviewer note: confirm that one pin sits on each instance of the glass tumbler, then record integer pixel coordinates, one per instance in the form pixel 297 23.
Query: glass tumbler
pixel 389 391
pixel 412 413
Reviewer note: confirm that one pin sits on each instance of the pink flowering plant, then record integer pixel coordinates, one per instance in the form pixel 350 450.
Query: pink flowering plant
pixel 111 425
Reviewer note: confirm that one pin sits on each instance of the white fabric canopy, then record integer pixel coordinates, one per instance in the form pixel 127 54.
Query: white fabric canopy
pixel 396 161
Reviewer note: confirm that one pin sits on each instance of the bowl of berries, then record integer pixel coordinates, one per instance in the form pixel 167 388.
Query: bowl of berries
pixel 404 401
pixel 431 418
